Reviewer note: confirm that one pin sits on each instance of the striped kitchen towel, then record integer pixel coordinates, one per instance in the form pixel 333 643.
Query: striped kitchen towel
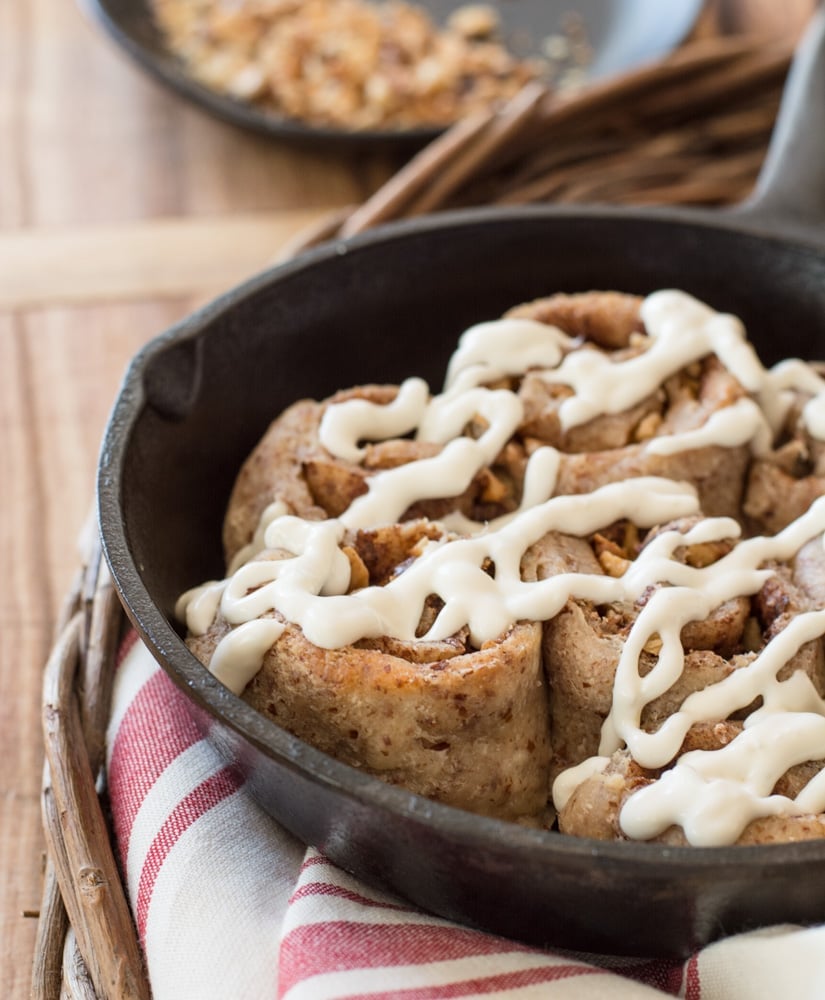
pixel 229 905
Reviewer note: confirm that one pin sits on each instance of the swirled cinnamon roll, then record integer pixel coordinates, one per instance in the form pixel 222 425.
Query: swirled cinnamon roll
pixel 460 723
pixel 710 705
pixel 583 644
pixel 659 432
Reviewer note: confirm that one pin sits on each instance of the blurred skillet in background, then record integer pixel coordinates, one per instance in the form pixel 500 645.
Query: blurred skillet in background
pixel 386 305
pixel 621 33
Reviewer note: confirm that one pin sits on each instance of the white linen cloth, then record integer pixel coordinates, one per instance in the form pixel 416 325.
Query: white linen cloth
pixel 229 905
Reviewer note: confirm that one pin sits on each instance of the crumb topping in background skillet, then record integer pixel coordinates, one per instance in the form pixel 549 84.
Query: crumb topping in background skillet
pixel 356 64
pixel 573 575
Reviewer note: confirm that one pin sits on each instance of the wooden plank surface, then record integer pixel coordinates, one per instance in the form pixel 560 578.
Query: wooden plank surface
pixel 145 259
pixel 120 207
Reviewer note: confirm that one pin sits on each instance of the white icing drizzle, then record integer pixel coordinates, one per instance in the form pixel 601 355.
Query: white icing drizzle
pixel 276 509
pixel 539 482
pixel 198 606
pixel 693 595
pixel 734 425
pixel 239 654
pixel 344 425
pixel 713 795
pixel 479 357
pixel 449 472
pixel 452 569
pixel 304 576
pixel 681 330
pixel 775 399
pixel 568 781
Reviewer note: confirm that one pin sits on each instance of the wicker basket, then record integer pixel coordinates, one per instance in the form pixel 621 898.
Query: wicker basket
pixel 692 129
pixel 87 945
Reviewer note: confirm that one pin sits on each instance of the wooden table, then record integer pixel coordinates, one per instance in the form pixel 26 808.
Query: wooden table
pixel 121 208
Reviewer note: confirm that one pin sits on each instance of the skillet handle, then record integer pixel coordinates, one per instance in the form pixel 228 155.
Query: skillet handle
pixel 789 197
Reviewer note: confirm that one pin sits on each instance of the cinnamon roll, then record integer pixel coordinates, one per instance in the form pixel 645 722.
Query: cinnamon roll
pixel 459 724
pixel 656 434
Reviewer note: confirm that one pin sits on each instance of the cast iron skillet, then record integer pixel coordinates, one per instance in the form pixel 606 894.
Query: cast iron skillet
pixel 622 34
pixel 384 306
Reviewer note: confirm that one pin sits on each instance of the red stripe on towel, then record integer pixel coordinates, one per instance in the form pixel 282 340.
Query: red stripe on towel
pixel 155 730
pixel 693 987
pixel 190 809
pixel 669 976
pixel 330 889
pixel 338 945
pixel 126 647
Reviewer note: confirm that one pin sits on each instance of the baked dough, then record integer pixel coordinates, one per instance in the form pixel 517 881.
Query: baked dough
pixel 488 724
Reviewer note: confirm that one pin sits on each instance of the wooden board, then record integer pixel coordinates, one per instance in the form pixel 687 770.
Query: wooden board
pixel 120 208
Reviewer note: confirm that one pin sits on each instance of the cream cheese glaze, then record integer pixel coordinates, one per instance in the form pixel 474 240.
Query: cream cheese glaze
pixel 305 576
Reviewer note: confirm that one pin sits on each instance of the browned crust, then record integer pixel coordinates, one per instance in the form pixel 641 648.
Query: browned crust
pixel 783 484
pixel 605 318
pixel 774 497
pixel 470 730
pixel 273 471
